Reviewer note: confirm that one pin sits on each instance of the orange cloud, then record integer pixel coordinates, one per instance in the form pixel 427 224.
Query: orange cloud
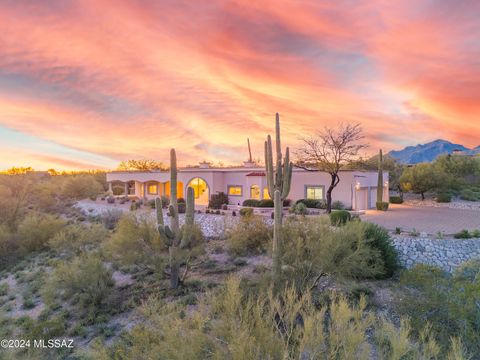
pixel 134 79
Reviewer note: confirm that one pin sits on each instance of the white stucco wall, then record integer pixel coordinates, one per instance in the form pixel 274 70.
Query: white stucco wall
pixel 353 190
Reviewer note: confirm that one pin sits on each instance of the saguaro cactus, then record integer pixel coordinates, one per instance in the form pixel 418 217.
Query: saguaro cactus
pixel 171 235
pixel 380 178
pixel 278 181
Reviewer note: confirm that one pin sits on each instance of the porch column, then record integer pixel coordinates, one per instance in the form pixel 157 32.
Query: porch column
pixel 126 189
pixel 145 191
pixel 110 187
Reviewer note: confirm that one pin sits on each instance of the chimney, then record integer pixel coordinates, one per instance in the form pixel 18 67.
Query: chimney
pixel 204 165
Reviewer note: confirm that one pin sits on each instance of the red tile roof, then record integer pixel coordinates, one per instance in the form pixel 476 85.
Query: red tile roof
pixel 256 173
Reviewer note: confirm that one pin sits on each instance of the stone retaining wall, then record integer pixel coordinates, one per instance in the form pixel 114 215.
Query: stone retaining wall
pixel 445 253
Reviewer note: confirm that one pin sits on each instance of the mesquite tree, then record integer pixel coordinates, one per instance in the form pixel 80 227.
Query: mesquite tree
pixel 171 235
pixel 330 150
pixel 279 179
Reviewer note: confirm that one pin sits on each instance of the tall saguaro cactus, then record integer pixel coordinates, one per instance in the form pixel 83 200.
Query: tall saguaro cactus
pixel 278 181
pixel 380 178
pixel 171 235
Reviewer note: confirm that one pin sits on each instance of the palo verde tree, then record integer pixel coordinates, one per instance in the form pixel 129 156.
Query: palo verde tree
pixel 279 179
pixel 171 235
pixel 142 164
pixel 330 151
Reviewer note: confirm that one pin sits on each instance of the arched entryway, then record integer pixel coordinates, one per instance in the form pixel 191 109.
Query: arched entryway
pixel 200 189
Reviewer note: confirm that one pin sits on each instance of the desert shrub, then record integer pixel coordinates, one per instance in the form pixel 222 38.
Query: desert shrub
pixel 312 203
pixel 81 187
pixel 217 200
pixel 338 205
pixel 299 209
pixel 382 205
pixel 469 195
pixel 249 236
pixel 448 302
pixel 9 247
pixel 43 196
pixel 85 282
pixel 396 200
pixel 196 238
pixel 339 217
pixel 135 205
pixel 110 218
pixel 182 207
pixel 151 203
pixel 378 238
pixel 36 229
pixel 251 202
pixel 265 203
pixel 311 247
pixel 165 201
pixel 246 212
pixel 287 202
pixel 111 199
pixel 232 324
pixel 464 234
pixel 76 238
pixel 443 198
pixel 136 241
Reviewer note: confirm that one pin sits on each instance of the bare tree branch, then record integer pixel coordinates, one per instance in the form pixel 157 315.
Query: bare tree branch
pixel 331 150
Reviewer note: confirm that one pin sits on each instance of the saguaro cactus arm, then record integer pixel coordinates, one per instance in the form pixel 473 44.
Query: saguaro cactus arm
pixel 187 234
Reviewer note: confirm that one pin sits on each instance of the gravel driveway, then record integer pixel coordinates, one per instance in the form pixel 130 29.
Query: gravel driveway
pixel 425 219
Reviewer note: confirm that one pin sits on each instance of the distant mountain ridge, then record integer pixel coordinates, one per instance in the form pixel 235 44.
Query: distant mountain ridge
pixel 429 151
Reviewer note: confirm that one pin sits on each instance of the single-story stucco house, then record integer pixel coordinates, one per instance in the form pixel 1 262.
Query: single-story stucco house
pixel 356 190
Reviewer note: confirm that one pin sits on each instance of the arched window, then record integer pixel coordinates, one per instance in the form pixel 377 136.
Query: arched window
pixel 200 190
pixel 254 192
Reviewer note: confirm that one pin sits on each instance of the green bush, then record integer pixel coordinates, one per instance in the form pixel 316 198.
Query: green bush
pixel 382 205
pixel 378 238
pixel 339 217
pixel 338 205
pixel 110 218
pixel 265 203
pixel 299 209
pixel 443 198
pixel 250 236
pixel 251 203
pixel 464 234
pixel 469 195
pixel 396 200
pixel 232 324
pixel 81 187
pixel 246 212
pixel 76 238
pixel 312 247
pixel 36 229
pixel 217 200
pixel 313 203
pixel 182 207
pixel 449 303
pixel 136 241
pixel 84 281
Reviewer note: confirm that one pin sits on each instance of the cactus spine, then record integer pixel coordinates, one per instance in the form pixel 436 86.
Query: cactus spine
pixel 380 178
pixel 171 235
pixel 278 182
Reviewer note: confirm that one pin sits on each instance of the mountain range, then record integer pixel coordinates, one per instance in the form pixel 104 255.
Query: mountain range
pixel 430 151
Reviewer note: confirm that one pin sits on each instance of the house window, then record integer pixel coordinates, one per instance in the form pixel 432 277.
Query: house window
pixel 314 192
pixel 254 192
pixel 234 190
pixel 152 189
pixel 265 194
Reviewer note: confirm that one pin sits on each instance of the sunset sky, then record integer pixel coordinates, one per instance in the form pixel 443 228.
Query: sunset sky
pixel 86 84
